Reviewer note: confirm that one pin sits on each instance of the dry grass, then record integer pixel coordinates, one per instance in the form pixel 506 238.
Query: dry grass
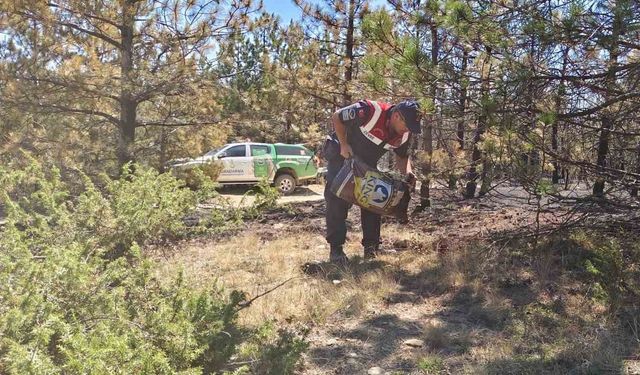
pixel 482 310
pixel 255 265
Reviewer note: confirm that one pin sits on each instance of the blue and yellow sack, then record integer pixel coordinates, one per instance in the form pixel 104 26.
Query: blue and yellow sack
pixel 375 191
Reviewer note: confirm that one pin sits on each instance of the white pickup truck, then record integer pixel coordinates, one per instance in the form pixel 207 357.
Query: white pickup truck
pixel 284 165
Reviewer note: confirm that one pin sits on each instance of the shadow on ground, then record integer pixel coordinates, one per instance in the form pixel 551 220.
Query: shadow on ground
pixel 516 310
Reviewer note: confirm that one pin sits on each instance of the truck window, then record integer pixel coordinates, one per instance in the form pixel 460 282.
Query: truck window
pixel 292 150
pixel 259 150
pixel 236 151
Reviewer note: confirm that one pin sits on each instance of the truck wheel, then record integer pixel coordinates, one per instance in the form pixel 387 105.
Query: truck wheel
pixel 285 183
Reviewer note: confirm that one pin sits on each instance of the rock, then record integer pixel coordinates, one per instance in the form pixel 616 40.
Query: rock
pixel 632 366
pixel 375 371
pixel 332 342
pixel 278 226
pixel 336 282
pixel 414 343
pixel 352 355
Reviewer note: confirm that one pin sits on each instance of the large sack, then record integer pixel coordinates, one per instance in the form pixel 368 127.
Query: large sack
pixel 371 189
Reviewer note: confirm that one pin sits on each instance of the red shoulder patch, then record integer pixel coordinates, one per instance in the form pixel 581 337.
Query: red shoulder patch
pixel 379 133
pixel 361 113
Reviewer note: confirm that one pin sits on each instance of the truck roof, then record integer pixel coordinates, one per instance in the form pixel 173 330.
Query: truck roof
pixel 264 144
pixel 245 143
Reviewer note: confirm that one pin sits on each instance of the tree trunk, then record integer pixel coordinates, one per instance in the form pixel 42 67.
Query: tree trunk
pixel 427 145
pixel 607 118
pixel 128 105
pixel 460 128
pixel 163 150
pixel 555 178
pixel 349 43
pixel 531 157
pixel 476 156
pixel 463 99
pixel 634 189
pixel 558 107
pixel 485 177
pixel 603 150
pixel 427 136
pixel 287 127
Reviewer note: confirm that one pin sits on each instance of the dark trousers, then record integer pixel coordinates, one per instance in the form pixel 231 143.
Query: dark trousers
pixel 337 210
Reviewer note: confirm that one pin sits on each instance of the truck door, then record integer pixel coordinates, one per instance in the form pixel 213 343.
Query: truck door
pixel 262 161
pixel 235 163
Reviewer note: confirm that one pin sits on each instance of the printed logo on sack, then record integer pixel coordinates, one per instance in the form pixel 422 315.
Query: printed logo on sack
pixel 372 191
pixel 380 194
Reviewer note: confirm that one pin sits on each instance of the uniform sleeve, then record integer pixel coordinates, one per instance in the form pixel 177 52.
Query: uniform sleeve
pixel 403 150
pixel 356 114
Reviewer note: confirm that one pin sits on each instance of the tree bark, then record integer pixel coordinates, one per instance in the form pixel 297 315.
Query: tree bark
pixel 555 178
pixel 558 107
pixel 349 43
pixel 163 150
pixel 607 118
pixel 485 177
pixel 531 157
pixel 634 189
pixel 427 136
pixel 476 156
pixel 287 126
pixel 427 145
pixel 463 99
pixel 603 150
pixel 128 104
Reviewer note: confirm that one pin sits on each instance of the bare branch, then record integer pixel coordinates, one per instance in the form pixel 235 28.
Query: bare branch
pixel 245 304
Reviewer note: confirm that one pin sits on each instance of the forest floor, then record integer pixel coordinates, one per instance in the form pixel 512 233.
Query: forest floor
pixel 489 285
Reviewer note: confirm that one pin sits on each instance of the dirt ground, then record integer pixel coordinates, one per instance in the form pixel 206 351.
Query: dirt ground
pixel 446 301
pixel 237 195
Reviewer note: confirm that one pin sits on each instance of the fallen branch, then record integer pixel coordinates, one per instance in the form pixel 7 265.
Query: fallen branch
pixel 244 304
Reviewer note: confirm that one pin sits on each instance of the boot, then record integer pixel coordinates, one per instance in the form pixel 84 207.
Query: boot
pixel 337 255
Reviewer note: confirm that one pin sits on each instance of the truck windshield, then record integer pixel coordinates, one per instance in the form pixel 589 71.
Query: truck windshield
pixel 213 152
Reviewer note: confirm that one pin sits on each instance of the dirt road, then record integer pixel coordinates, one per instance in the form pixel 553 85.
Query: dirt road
pixel 241 196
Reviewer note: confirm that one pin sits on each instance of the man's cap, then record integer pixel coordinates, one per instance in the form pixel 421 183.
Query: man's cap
pixel 410 110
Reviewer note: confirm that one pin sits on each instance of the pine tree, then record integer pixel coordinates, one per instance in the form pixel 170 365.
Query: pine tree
pixel 127 64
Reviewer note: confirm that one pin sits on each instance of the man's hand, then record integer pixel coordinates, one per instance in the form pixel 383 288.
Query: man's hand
pixel 346 151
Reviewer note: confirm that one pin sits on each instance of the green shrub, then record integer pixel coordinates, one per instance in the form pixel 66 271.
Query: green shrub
pixel 266 195
pixel 145 204
pixel 200 177
pixel 272 350
pixel 78 295
pixel 431 364
pixel 266 199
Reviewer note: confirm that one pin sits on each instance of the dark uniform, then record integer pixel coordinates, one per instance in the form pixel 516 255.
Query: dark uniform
pixel 369 137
